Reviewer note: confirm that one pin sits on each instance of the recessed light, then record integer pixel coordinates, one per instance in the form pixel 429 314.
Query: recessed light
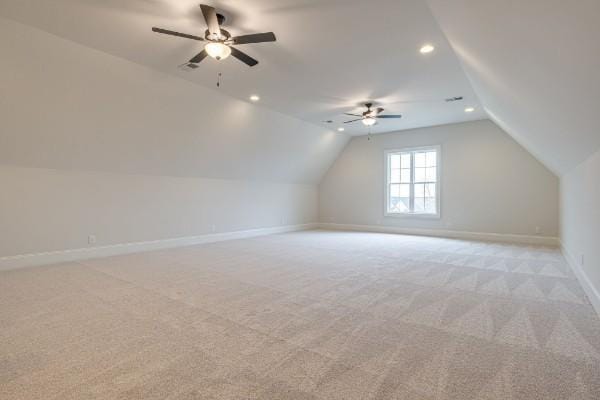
pixel 255 97
pixel 340 129
pixel 469 109
pixel 427 48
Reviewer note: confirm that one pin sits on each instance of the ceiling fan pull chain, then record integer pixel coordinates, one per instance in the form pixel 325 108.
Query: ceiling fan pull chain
pixel 219 80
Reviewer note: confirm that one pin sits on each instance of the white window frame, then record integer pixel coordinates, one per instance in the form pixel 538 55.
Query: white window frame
pixel 387 158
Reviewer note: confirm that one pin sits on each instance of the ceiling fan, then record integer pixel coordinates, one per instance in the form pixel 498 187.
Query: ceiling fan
pixel 220 43
pixel 370 117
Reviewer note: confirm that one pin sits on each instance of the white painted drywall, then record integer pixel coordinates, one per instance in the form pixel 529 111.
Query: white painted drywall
pixel 489 183
pixel 46 210
pixel 580 218
pixel 91 144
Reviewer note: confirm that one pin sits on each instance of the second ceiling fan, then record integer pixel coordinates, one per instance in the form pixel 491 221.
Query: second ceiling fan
pixel 370 116
pixel 220 42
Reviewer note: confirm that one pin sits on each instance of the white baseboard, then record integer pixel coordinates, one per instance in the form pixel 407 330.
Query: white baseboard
pixel 494 237
pixel 53 257
pixel 584 280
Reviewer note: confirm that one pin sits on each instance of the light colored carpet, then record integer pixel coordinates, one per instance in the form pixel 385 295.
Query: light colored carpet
pixel 308 315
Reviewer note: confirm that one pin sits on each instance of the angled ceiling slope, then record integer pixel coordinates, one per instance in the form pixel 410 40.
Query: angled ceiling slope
pixel 65 106
pixel 535 66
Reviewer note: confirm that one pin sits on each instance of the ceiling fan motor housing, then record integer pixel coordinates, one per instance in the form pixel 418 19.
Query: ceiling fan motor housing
pixel 225 35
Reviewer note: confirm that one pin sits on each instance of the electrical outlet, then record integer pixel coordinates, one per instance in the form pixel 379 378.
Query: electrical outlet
pixel 537 230
pixel 92 239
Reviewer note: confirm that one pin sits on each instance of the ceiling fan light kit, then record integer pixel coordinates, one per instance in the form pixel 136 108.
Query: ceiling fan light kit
pixel 369 121
pixel 217 50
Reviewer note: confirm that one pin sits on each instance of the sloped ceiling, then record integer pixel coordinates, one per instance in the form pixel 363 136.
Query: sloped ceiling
pixel 535 66
pixel 330 56
pixel 68 107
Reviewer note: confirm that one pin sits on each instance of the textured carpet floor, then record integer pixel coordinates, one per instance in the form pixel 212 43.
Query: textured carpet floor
pixel 308 315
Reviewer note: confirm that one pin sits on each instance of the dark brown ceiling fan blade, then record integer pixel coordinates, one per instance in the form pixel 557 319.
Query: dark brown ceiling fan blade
pixel 354 120
pixel 353 115
pixel 243 57
pixel 178 34
pixel 255 38
pixel 379 110
pixel 199 57
pixel 389 116
pixel 210 16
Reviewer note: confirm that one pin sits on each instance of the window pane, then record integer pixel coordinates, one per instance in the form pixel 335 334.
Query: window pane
pixel 430 206
pixel 406 160
pixel 404 204
pixel 419 159
pixel 405 175
pixel 399 200
pixel 394 176
pixel 405 191
pixel 431 158
pixel 431 174
pixel 400 205
pixel 419 205
pixel 419 174
pixel 419 190
pixel 430 190
pixel 413 182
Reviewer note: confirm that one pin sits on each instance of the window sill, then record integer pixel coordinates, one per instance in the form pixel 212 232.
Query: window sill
pixel 413 215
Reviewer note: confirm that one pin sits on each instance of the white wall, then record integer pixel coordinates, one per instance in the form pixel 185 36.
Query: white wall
pixel 489 183
pixel 580 221
pixel 93 144
pixel 44 210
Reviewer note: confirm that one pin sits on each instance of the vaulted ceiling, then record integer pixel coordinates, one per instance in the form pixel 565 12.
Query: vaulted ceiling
pixel 530 66
pixel 330 56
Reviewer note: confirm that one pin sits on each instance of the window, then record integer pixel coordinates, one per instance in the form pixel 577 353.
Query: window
pixel 412 182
